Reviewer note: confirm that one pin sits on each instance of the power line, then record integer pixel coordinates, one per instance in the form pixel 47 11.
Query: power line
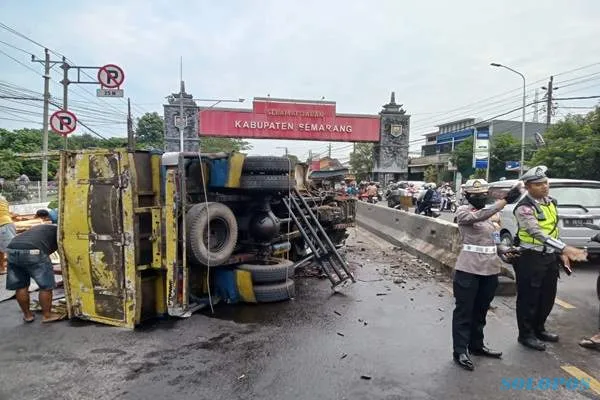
pixel 19 62
pixel 15 47
pixel 14 32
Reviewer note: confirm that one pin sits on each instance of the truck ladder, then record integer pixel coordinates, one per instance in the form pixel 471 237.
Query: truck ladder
pixel 324 251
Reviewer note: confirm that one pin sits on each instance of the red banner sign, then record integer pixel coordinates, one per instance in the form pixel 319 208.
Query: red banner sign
pixel 289 119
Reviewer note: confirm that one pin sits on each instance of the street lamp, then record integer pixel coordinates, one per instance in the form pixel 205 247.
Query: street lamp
pixel 523 115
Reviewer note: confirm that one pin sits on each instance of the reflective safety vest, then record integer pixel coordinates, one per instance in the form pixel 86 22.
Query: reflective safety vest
pixel 547 217
pixel 4 212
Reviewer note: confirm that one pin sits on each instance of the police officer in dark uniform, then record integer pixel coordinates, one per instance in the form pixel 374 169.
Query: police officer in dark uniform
pixel 537 268
pixel 476 272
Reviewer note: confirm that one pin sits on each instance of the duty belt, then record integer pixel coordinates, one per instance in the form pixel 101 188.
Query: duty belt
pixel 30 251
pixel 479 249
pixel 538 248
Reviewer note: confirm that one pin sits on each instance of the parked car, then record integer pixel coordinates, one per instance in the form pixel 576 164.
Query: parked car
pixel 578 204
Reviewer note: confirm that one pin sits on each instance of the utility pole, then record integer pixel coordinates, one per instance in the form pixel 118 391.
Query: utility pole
pixel 130 134
pixel 65 83
pixel 330 150
pixel 47 65
pixel 549 103
pixel 44 192
pixel 535 106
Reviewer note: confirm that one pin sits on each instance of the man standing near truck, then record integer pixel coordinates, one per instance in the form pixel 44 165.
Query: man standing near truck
pixel 537 268
pixel 29 257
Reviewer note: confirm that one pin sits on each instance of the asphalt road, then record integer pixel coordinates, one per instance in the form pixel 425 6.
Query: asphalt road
pixel 318 346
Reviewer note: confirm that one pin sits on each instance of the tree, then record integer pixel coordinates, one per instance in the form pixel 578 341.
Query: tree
pixel 462 157
pixel 150 131
pixel 431 174
pixel 293 159
pixel 572 148
pixel 361 160
pixel 504 148
pixel 221 144
pixel 10 165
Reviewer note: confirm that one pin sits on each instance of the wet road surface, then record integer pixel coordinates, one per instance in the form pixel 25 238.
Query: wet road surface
pixel 375 340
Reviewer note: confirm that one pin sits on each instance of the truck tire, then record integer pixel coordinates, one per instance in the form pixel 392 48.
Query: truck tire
pixel 277 183
pixel 223 235
pixel 275 292
pixel 273 270
pixel 267 164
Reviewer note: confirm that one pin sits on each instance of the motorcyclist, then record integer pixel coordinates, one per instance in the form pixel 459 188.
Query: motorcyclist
pixel 426 202
pixel 371 192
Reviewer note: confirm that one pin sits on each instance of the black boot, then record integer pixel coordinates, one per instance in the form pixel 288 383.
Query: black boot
pixel 546 336
pixel 464 361
pixel 486 352
pixel 532 343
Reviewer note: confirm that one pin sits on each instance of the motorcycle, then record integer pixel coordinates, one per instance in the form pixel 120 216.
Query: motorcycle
pixel 368 199
pixel 432 210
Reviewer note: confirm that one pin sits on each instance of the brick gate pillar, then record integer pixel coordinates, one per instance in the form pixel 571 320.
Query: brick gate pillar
pixel 191 140
pixel 390 155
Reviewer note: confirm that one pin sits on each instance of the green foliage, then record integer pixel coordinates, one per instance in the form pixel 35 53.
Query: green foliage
pixel 294 160
pixel 431 174
pixel 361 160
pixel 150 132
pixel 572 148
pixel 221 144
pixel 10 165
pixel 504 148
pixel 13 192
pixel 462 157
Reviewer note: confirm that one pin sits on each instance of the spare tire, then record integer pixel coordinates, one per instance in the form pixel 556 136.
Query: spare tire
pixel 223 233
pixel 275 183
pixel 267 164
pixel 272 270
pixel 275 292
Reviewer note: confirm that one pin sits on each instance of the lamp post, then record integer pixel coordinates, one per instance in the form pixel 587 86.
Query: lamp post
pixel 523 115
pixel 216 101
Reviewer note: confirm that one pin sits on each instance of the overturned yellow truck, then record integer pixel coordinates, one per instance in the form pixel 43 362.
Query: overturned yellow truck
pixel 145 234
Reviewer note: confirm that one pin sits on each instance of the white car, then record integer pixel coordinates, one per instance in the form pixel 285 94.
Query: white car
pixel 578 204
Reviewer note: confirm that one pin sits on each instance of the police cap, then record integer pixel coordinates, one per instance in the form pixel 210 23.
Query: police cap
pixel 476 186
pixel 536 174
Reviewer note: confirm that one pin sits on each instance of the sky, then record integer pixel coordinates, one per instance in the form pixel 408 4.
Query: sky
pixel 435 55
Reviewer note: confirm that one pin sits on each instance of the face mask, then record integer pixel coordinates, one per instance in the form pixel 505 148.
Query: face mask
pixel 477 201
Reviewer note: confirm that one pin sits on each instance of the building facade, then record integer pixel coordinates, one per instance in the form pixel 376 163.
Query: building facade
pixel 440 144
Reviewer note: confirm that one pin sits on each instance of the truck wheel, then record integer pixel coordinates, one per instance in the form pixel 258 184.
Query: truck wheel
pixel 267 164
pixel 271 270
pixel 267 182
pixel 223 233
pixel 275 292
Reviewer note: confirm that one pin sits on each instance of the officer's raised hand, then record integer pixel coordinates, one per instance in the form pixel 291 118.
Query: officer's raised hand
pixel 514 193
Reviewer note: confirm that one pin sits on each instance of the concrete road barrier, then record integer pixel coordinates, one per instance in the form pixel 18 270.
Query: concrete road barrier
pixel 432 239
